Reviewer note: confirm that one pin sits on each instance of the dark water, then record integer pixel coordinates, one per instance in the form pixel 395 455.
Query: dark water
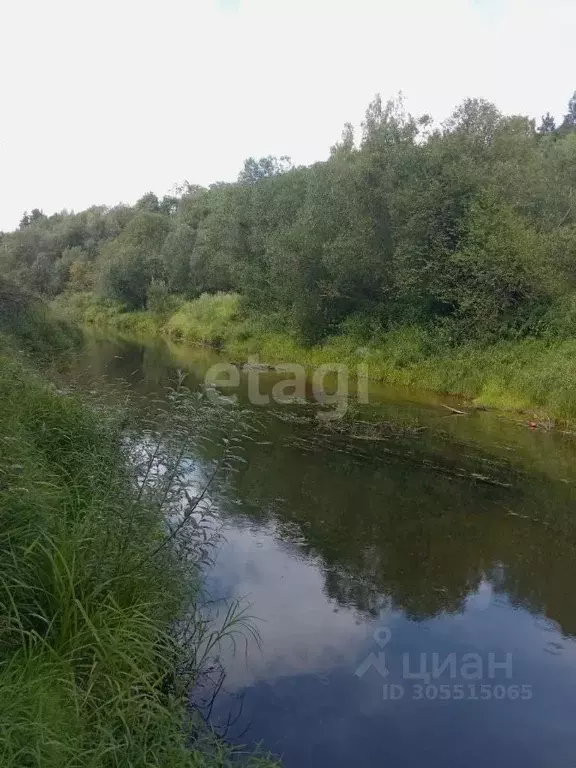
pixel 451 551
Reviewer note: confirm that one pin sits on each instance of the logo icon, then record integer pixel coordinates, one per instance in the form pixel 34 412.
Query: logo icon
pixel 382 636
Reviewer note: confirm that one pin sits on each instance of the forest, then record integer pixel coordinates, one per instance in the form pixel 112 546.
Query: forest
pixel 465 232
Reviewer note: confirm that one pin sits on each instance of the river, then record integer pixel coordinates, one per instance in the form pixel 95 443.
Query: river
pixel 413 593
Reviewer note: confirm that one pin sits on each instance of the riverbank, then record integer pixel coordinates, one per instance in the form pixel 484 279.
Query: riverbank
pixel 532 375
pixel 87 591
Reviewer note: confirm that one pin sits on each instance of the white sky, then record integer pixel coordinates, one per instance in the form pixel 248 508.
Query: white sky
pixel 103 101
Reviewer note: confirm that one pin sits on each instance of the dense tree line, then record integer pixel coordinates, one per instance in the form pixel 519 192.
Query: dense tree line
pixel 469 228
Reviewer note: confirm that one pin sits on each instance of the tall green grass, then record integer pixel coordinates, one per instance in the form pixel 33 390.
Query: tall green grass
pixel 90 587
pixel 33 328
pixel 107 313
pixel 82 649
pixel 208 319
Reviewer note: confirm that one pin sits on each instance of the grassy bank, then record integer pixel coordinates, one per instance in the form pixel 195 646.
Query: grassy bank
pixel 31 326
pixel 87 658
pixel 532 374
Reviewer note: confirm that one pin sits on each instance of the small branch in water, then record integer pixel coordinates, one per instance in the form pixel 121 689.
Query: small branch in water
pixel 455 411
pixel 527 517
pixel 489 480
pixel 372 438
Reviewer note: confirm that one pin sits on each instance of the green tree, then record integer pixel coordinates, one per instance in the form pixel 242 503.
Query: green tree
pixel 548 125
pixel 569 122
pixel 470 225
pixel 148 202
pixel 131 261
pixel 498 279
pixel 264 168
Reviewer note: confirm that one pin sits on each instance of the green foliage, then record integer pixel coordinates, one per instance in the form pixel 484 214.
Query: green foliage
pixel 498 278
pixel 264 168
pixel 207 320
pixel 548 124
pixel 126 275
pixel 31 325
pixel 131 262
pixel 148 202
pixel 159 299
pixel 32 255
pixel 569 122
pixel 467 232
pixel 88 309
pixel 470 227
pixel 74 642
pixel 176 255
pixel 89 587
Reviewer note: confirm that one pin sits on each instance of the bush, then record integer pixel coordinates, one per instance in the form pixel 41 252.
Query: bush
pixel 206 320
pixel 32 326
pixel 160 300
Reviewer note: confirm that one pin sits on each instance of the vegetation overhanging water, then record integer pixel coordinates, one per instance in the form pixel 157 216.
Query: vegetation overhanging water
pixel 101 640
pixel 440 255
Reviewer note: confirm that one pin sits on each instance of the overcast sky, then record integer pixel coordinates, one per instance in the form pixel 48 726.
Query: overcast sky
pixel 103 101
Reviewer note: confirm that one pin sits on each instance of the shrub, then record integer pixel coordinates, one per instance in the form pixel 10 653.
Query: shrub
pixel 206 320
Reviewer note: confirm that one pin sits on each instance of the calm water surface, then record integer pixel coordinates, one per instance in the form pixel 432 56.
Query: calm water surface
pixel 347 548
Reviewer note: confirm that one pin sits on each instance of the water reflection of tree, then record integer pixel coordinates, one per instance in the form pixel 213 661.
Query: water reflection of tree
pixel 389 531
pixel 395 532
